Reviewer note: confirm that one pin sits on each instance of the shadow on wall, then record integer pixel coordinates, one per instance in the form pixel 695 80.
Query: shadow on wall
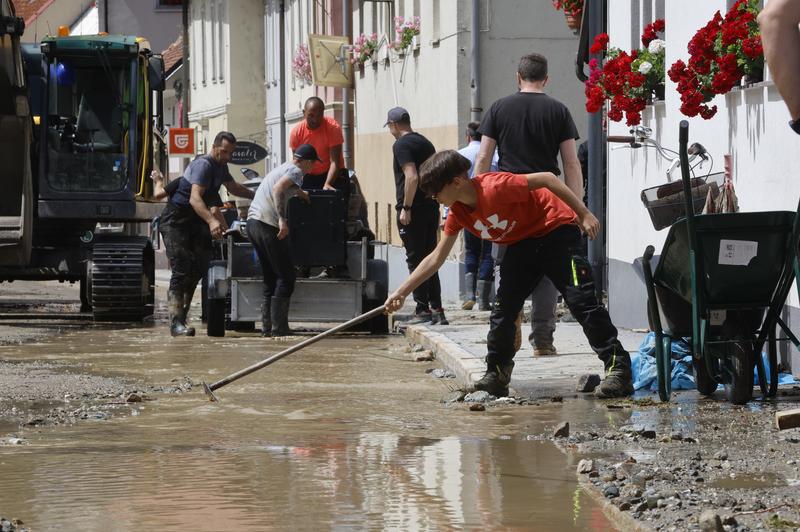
pixel 753 101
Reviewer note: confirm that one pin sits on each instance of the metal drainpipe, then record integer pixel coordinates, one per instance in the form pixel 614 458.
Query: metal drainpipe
pixel 347 17
pixel 597 165
pixel 105 16
pixel 282 82
pixel 185 71
pixel 475 110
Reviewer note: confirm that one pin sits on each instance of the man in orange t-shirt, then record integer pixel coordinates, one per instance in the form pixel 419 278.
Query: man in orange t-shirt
pixel 325 134
pixel 540 220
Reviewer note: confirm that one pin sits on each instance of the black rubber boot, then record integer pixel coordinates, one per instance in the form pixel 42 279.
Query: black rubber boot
pixel 187 305
pixel 266 319
pixel 484 295
pixel 279 310
pixel 619 379
pixel 495 380
pixel 438 317
pixel 469 289
pixel 177 315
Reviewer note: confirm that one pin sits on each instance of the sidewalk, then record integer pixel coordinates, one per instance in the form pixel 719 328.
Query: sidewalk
pixel 461 346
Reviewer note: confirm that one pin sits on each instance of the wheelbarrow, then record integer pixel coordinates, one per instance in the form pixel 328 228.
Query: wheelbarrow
pixel 722 280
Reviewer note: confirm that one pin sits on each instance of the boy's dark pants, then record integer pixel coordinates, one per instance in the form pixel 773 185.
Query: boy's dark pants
pixel 556 255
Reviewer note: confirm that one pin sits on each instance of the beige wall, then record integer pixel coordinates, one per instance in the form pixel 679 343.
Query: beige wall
pixel 375 174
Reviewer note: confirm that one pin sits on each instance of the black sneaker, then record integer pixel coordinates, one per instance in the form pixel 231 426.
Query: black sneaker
pixel 421 317
pixel 438 317
pixel 495 380
pixel 618 383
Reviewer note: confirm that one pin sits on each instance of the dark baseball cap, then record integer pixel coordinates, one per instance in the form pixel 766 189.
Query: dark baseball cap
pixel 397 114
pixel 306 151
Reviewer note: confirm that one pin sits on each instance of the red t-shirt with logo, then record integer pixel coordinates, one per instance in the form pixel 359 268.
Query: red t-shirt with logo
pixel 326 136
pixel 507 212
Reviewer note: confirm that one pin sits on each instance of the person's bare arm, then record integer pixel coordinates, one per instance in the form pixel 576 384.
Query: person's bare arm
pixel 409 191
pixel 573 175
pixel 281 192
pixel 238 189
pixel 199 206
pixel 158 185
pixel 333 169
pixel 781 39
pixel 427 267
pixel 483 161
pixel 586 220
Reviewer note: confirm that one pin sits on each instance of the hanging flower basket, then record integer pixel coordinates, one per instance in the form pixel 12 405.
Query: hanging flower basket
pixel 723 54
pixel 627 80
pixel 573 21
pixel 364 49
pixel 301 64
pixel 404 32
pixel 573 10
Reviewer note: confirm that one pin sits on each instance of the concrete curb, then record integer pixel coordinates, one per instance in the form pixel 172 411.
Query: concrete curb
pixel 467 368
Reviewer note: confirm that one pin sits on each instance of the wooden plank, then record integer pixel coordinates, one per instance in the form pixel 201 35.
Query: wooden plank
pixel 788 419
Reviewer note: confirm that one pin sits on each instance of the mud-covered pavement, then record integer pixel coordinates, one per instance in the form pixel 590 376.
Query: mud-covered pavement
pixel 99 421
pixel 349 434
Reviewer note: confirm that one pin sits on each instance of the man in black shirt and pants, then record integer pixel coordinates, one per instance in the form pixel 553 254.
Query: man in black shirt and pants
pixel 529 130
pixel 417 214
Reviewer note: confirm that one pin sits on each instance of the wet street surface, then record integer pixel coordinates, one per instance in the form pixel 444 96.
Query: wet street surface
pixel 349 433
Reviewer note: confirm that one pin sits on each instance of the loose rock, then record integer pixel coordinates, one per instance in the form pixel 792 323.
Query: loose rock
pixel 710 522
pixel 587 382
pixel 478 397
pixel 443 374
pixel 454 397
pixel 562 431
pixel 477 407
pixel 585 467
pixel 424 356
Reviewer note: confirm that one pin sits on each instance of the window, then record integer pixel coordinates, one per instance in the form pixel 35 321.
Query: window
pixel 212 18
pixel 221 12
pixel 169 4
pixel 203 49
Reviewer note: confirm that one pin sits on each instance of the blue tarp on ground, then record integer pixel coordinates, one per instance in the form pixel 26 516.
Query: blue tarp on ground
pixel 645 374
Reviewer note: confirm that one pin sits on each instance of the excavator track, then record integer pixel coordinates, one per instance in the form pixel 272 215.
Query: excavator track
pixel 122 283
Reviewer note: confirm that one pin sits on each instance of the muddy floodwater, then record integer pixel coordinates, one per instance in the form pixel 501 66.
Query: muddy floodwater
pixel 347 434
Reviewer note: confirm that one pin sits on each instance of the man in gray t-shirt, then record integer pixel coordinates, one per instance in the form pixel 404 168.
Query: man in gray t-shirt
pixel 267 229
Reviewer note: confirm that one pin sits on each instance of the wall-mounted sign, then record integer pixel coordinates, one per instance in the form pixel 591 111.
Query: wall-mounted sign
pixel 181 141
pixel 247 152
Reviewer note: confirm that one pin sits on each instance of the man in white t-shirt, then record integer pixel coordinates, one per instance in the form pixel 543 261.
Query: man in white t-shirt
pixel 267 229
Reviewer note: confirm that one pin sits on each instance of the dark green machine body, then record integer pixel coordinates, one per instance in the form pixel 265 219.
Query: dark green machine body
pixel 80 145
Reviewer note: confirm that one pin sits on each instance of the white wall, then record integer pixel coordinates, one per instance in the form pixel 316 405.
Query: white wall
pixel 750 124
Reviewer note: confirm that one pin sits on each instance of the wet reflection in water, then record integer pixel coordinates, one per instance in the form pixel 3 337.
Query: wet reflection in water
pixel 347 434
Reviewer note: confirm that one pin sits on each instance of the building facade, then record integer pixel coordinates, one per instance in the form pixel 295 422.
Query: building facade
pixel 749 126
pixel 226 71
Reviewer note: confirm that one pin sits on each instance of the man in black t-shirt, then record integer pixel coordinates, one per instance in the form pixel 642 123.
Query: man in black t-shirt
pixel 417 214
pixel 530 129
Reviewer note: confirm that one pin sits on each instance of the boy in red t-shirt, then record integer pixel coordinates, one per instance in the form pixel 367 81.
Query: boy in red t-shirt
pixel 540 220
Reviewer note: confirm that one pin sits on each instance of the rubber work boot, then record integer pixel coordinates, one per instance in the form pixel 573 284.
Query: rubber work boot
pixel 545 351
pixel 424 316
pixel 438 317
pixel 279 314
pixel 177 316
pixel 266 320
pixel 484 295
pixel 619 380
pixel 469 282
pixel 495 380
pixel 187 305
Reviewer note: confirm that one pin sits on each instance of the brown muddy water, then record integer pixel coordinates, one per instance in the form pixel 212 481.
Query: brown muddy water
pixel 347 434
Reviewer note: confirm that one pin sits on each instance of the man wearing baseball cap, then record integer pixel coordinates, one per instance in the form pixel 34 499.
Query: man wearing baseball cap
pixel 417 214
pixel 267 229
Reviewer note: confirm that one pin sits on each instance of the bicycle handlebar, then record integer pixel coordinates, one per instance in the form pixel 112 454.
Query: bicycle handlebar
pixel 621 138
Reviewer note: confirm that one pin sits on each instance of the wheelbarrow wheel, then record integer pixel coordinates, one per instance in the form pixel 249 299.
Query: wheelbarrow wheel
pixel 737 358
pixel 706 385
